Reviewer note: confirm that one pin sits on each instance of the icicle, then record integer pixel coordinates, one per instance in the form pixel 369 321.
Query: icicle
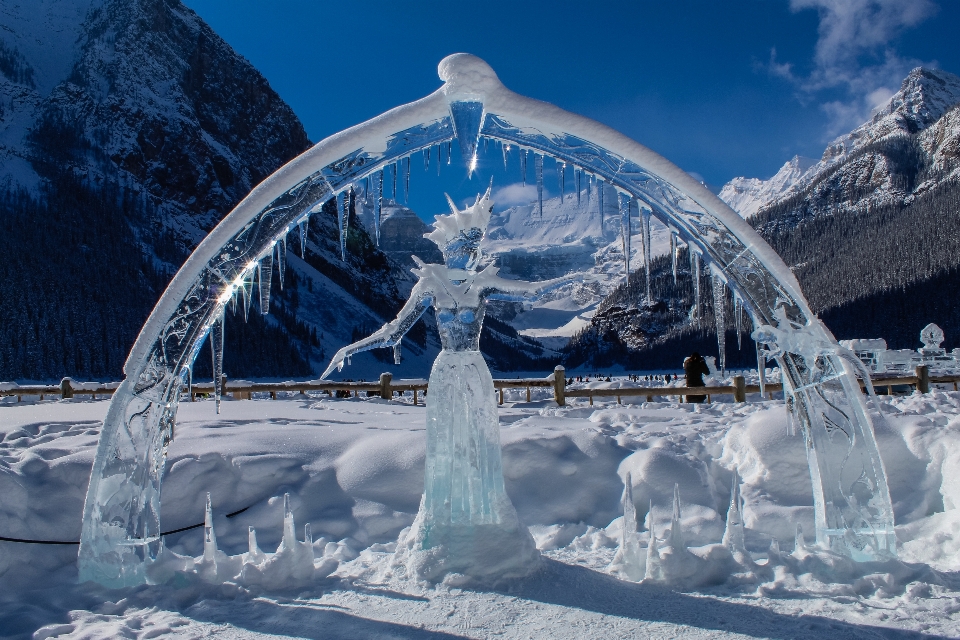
pixel 289 529
pixel 676 534
pixel 303 237
pixel 378 202
pixel 653 571
pixel 577 174
pixel 646 213
pixel 343 217
pixel 695 274
pixel 396 353
pixel 396 179
pixel 254 554
pixel 282 258
pixel 733 531
pixel 506 151
pixel 439 155
pixel 449 152
pixel 790 400
pixel 426 158
pixel 209 536
pixel 589 180
pixel 761 369
pixel 675 254
pixel 265 280
pixel 523 166
pixel 561 176
pixel 246 287
pixel 538 169
pixel 600 202
pixel 308 543
pixel 190 381
pixel 719 304
pixel 216 347
pixel 624 203
pixel 738 319
pixel 406 178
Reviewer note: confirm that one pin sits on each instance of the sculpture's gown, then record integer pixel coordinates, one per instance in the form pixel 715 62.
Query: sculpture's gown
pixel 466 523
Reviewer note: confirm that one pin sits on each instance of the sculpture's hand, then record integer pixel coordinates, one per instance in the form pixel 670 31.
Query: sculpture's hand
pixel 335 363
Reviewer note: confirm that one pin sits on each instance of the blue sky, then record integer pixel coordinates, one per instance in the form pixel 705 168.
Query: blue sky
pixel 721 88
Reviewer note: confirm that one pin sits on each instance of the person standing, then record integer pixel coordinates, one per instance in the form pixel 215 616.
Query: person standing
pixel 695 367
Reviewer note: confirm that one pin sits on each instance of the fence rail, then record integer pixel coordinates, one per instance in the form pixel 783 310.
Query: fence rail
pixel 386 387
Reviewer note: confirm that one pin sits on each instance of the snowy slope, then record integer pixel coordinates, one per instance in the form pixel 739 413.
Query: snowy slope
pixel 354 469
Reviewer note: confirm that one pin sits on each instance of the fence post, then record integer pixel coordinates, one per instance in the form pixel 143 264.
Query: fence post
pixel 739 389
pixel 923 379
pixel 385 391
pixel 560 385
pixel 66 391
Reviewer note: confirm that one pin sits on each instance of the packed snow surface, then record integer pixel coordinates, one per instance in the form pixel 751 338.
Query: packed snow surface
pixel 354 470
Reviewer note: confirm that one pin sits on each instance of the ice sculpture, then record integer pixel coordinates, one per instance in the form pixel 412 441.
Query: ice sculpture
pixel 466 523
pixel 120 532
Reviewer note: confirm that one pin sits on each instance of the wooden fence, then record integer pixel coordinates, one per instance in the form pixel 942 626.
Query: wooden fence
pixel 385 388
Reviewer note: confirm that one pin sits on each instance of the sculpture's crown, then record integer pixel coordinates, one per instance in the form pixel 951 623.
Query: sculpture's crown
pixel 462 228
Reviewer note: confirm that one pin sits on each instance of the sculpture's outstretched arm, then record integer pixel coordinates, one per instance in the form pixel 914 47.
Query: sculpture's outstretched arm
pixel 390 333
pixel 497 288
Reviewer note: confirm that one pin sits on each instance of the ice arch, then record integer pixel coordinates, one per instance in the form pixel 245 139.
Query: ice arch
pixel 121 519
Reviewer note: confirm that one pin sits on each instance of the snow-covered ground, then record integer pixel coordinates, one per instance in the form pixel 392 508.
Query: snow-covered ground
pixel 354 470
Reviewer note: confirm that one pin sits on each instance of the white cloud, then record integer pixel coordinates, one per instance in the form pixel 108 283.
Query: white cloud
pixel 515 194
pixel 854 54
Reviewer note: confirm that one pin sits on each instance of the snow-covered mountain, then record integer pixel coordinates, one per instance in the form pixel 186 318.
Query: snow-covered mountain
pixel 877 162
pixel 746 196
pixel 128 129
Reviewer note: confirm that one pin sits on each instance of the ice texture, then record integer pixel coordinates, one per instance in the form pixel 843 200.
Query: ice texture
pixel 119 540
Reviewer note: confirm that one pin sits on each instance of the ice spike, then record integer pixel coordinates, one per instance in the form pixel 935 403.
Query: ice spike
pixel 289 529
pixel 676 533
pixel 265 280
pixel 209 536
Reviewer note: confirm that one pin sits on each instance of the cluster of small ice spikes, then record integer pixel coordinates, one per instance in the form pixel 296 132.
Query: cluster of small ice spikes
pixel 293 565
pixel 673 563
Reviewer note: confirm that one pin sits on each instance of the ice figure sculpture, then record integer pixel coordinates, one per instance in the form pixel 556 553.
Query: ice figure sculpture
pixel 466 523
pixel 120 532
